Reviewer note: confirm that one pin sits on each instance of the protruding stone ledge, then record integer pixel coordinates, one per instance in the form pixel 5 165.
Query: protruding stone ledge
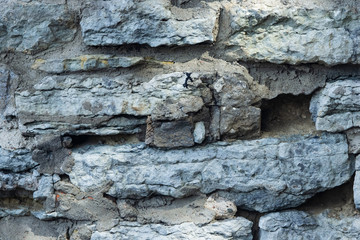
pixel 86 63
pixel 262 175
pixel 336 107
pixel 155 23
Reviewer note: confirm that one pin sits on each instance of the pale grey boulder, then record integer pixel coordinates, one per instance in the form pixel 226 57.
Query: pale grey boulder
pixel 16 160
pixel 152 22
pixel 34 26
pixel 266 174
pixel 237 228
pixel 336 107
pixel 294 35
pixel 356 186
pixel 301 225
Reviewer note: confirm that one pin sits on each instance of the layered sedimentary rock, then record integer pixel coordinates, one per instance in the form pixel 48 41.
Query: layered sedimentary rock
pixel 16 160
pixel 147 22
pixel 294 35
pixel 238 228
pixel 301 225
pixel 283 172
pixel 336 107
pixel 34 26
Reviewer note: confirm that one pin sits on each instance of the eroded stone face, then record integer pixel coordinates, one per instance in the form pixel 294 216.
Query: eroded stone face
pixel 16 160
pixel 336 107
pixel 151 22
pixel 34 26
pixel 284 172
pixel 301 225
pixel 294 35
pixel 238 228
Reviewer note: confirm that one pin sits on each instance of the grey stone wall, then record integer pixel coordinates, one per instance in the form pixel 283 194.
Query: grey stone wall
pixel 179 119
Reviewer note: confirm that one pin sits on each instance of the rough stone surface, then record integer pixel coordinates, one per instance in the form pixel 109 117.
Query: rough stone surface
pixel 13 181
pixel 356 187
pixel 45 188
pixel 18 228
pixel 223 208
pixel 173 134
pixel 85 63
pixel 73 102
pixel 353 136
pixel 16 160
pixel 147 22
pixel 238 228
pixel 294 35
pixel 34 26
pixel 336 107
pixel 284 172
pixel 300 225
pixel 199 132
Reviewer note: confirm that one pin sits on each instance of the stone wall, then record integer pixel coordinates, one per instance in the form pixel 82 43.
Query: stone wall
pixel 179 119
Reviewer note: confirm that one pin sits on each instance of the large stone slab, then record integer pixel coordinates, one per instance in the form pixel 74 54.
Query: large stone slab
pixel 301 225
pixel 237 228
pixel 78 104
pixel 151 22
pixel 16 160
pixel 34 26
pixel 262 175
pixel 294 35
pixel 336 107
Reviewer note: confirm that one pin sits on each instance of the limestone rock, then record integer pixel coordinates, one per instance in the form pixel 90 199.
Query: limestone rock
pixel 223 208
pixel 151 22
pixel 284 172
pixel 102 105
pixel 34 26
pixel 85 63
pixel 356 187
pixel 353 136
pixel 8 83
pixel 173 134
pixel 16 161
pixel 45 188
pixel 300 225
pixel 238 228
pixel 294 35
pixel 336 107
pixel 199 132
pixel 12 181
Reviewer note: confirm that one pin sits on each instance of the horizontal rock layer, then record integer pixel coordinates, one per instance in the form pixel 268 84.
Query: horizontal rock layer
pixel 16 160
pixel 238 228
pixel 147 22
pixel 300 225
pixel 336 107
pixel 294 35
pixel 86 63
pixel 261 175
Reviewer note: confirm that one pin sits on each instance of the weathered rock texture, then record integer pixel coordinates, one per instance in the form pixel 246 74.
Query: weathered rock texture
pixel 147 22
pixel 336 107
pixel 295 35
pixel 300 225
pixel 284 172
pixel 174 119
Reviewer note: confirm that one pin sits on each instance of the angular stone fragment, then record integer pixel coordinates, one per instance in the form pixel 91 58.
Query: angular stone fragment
pixel 86 63
pixel 353 136
pixel 294 35
pixel 356 187
pixel 223 208
pixel 336 107
pixel 16 160
pixel 34 26
pixel 173 134
pixel 151 22
pixel 300 225
pixel 199 132
pixel 8 83
pixel 238 228
pixel 102 105
pixel 266 174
